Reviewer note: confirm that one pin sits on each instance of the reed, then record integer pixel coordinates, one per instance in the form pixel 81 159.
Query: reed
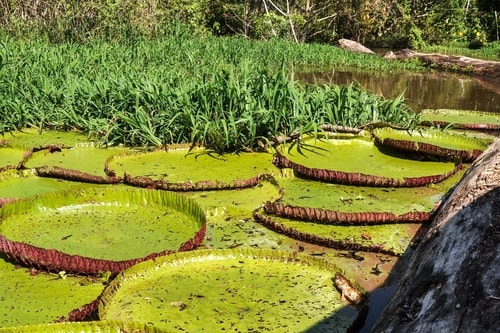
pixel 228 94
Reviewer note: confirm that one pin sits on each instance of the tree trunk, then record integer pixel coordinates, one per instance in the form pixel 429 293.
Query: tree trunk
pixel 452 283
pixel 456 63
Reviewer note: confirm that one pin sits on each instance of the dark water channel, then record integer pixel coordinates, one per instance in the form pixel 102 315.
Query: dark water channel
pixel 422 91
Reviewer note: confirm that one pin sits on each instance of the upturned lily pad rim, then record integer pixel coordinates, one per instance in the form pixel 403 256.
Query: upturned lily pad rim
pixel 454 123
pixel 181 186
pixel 354 178
pixel 55 260
pixel 261 217
pixel 419 141
pixel 326 216
pixel 146 269
pixel 349 178
pixel 100 326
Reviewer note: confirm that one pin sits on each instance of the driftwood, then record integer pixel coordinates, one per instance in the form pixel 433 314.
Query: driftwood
pixel 453 62
pixel 452 283
pixel 478 67
pixel 354 46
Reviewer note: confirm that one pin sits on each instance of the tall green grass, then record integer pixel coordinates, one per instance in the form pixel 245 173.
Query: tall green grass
pixel 228 94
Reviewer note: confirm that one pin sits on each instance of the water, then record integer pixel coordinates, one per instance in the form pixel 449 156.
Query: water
pixel 422 91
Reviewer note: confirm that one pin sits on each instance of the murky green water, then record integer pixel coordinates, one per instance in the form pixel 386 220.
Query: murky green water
pixel 422 91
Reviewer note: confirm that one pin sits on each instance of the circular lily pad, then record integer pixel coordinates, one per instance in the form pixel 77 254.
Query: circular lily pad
pixel 434 142
pixel 358 161
pixel 110 326
pixel 198 169
pixel 32 138
pixel 352 199
pixel 465 119
pixel 99 229
pixel 90 159
pixel 229 290
pixel 18 184
pixel 392 239
pixel 10 157
pixel 28 299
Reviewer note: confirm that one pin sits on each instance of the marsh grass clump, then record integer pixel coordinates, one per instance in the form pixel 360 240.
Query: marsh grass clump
pixel 180 90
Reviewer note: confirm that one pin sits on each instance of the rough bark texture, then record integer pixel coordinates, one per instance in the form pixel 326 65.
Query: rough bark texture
pixel 354 46
pixel 452 282
pixel 459 63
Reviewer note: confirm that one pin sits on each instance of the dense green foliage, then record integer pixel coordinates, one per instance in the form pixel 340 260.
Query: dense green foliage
pixel 395 23
pixel 226 93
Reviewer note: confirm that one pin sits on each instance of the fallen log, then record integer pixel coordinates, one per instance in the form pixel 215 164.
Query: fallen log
pixel 473 66
pixel 452 283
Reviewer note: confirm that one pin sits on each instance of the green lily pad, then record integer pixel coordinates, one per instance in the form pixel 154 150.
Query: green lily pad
pixel 466 119
pixel 24 183
pixel 229 217
pixel 110 326
pixel 28 299
pixel 392 239
pixel 99 229
pixel 230 290
pixel 31 138
pixel 358 162
pixel 434 142
pixel 236 202
pixel 198 169
pixel 10 157
pixel 347 198
pixel 89 160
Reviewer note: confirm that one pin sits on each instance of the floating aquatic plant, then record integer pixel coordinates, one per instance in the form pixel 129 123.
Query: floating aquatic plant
pixel 465 119
pixel 99 229
pixel 197 169
pixel 358 161
pixel 217 290
pixel 31 297
pixel 433 142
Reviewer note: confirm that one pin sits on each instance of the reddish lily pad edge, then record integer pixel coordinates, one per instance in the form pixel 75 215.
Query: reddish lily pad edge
pixel 53 260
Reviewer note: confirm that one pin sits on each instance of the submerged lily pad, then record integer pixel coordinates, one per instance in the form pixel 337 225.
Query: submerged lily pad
pixel 230 290
pixel 99 229
pixel 392 239
pixel 28 298
pixel 198 169
pixel 109 326
pixel 466 119
pixel 433 142
pixel 358 162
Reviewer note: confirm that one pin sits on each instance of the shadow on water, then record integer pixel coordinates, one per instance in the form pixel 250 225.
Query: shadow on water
pixel 378 299
pixel 422 91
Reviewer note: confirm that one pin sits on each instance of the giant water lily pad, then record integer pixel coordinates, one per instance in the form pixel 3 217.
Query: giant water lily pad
pixel 466 119
pixel 197 169
pixel 34 138
pixel 87 159
pixel 18 184
pixel 10 157
pixel 99 229
pixel 109 326
pixel 229 290
pixel 433 142
pixel 347 198
pixel 28 299
pixel 358 161
pixel 229 216
pixel 392 239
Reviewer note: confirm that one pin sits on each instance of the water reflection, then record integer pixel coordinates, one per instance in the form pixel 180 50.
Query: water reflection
pixel 422 91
